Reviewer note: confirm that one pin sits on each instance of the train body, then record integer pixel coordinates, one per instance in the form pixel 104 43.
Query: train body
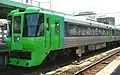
pixel 34 33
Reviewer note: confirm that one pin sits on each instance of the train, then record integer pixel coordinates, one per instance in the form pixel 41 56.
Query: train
pixel 34 34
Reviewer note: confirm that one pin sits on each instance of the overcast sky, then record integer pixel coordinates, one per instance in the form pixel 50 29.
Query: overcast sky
pixel 98 6
pixel 76 6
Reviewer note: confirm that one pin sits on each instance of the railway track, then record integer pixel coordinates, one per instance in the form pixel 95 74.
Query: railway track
pixel 95 63
pixel 84 67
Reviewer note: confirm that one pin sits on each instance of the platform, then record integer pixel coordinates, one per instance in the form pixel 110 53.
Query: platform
pixel 117 71
pixel 111 69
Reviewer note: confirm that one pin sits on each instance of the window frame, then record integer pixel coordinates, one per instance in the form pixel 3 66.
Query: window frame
pixel 57 27
pixel 26 26
pixel 19 29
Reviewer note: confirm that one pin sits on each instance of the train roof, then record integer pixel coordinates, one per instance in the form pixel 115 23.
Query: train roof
pixel 70 18
pixel 83 21
pixel 78 20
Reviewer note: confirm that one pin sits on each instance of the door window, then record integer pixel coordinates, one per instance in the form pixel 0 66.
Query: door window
pixel 57 27
pixel 48 25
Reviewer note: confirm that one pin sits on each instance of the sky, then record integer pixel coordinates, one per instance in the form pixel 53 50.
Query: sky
pixel 70 6
pixel 110 7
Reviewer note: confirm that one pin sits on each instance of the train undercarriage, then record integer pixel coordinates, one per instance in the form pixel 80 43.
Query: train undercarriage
pixel 78 52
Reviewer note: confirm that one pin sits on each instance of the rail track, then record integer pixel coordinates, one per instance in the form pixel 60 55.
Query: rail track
pixel 82 67
pixel 95 63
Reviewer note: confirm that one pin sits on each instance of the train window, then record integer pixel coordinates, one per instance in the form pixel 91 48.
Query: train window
pixel 83 31
pixel 90 29
pixel 17 23
pixel 94 31
pixel 72 29
pixel 40 26
pixel 99 31
pixel 79 31
pixel 103 32
pixel 117 32
pixel 87 30
pixel 107 32
pixel 31 22
pixel 113 32
pixel 57 27
pixel 66 29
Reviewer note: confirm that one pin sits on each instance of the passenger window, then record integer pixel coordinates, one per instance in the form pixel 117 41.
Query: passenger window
pixel 17 23
pixel 40 27
pixel 57 28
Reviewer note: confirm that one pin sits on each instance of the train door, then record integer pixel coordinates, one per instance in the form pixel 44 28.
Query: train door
pixel 55 32
pixel 47 30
